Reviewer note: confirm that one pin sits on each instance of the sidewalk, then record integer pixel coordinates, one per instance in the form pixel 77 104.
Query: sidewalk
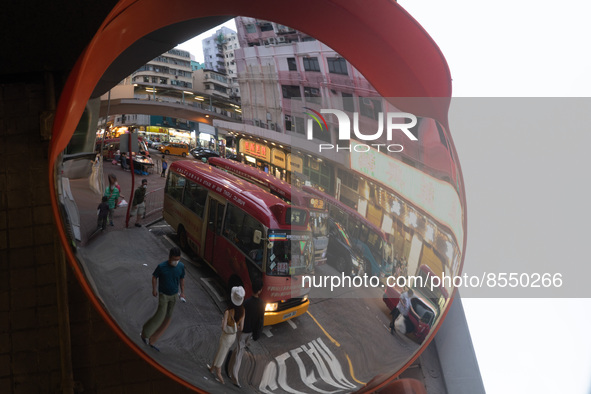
pixel 88 201
pixel 118 265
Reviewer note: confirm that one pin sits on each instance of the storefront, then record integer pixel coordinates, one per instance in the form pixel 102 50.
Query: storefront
pixel 319 173
pixel 206 136
pixel 182 136
pixel 255 154
pixel 157 134
pixel 295 169
pixel 278 164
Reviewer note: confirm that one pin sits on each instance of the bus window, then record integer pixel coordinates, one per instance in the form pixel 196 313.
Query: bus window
pixel 318 224
pixel 194 197
pixel 175 186
pixel 239 228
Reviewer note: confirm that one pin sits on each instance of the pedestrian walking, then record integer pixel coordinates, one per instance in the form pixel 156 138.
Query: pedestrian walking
pixel 402 308
pixel 168 276
pixel 112 194
pixel 138 205
pixel 254 314
pixel 164 167
pixel 102 213
pixel 232 322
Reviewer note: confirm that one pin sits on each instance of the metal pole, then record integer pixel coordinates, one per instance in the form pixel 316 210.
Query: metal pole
pixel 106 122
pixel 132 182
pixel 101 179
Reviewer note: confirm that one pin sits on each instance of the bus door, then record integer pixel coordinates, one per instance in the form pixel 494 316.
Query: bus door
pixel 215 215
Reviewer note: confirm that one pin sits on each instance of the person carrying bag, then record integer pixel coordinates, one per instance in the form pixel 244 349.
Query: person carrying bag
pixel 232 322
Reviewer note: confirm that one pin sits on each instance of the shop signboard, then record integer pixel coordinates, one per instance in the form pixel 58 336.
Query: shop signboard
pixel 278 158
pixel 155 129
pixel 260 151
pixel 295 163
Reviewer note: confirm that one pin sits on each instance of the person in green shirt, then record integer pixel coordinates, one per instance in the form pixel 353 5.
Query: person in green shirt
pixel 112 193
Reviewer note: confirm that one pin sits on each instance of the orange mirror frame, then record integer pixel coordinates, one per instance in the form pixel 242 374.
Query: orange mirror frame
pixel 380 40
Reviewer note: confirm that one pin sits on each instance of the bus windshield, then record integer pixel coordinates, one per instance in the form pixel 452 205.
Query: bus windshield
pixel 291 253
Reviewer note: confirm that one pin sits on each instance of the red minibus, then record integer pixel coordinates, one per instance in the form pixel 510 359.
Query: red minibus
pixel 244 233
pixel 368 239
pixel 287 192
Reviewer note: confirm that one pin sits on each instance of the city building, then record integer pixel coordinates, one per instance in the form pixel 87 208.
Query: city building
pixel 196 65
pixel 284 75
pixel 168 100
pixel 212 83
pixel 169 74
pixel 218 54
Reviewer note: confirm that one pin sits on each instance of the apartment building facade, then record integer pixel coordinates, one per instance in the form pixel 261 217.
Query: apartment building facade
pixel 218 55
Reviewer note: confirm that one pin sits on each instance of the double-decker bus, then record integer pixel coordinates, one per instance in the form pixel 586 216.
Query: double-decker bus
pixel 369 240
pixel 244 233
pixel 317 207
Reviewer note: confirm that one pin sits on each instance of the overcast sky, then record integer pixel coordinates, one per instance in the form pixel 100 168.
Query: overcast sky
pixel 519 49
pixel 515 49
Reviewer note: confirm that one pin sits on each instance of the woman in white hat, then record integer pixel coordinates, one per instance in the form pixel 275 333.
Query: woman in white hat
pixel 232 322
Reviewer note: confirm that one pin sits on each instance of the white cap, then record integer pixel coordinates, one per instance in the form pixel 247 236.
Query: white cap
pixel 237 295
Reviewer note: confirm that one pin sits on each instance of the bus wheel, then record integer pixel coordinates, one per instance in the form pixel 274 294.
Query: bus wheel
pixel 341 264
pixel 184 154
pixel 167 152
pixel 183 243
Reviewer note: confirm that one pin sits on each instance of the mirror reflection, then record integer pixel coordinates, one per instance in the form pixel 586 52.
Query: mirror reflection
pixel 264 219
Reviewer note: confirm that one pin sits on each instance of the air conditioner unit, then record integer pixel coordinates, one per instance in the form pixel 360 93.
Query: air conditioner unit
pixel 257 123
pixel 272 126
pixel 366 101
pixel 288 118
pixel 280 39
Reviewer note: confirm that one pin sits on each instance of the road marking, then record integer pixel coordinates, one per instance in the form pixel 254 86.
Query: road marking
pixel 324 331
pixel 351 370
pixel 157 226
pixel 292 324
pixel 267 332
pixel 326 369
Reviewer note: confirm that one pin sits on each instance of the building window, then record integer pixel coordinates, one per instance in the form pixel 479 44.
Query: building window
pixel 312 95
pixel 348 104
pixel 288 123
pixel 311 64
pixel 300 128
pixel 370 107
pixel 319 173
pixel 291 64
pixel 337 65
pixel 266 27
pixel 290 91
pixel 348 179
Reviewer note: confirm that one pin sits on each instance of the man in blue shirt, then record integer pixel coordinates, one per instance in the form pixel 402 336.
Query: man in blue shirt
pixel 169 275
